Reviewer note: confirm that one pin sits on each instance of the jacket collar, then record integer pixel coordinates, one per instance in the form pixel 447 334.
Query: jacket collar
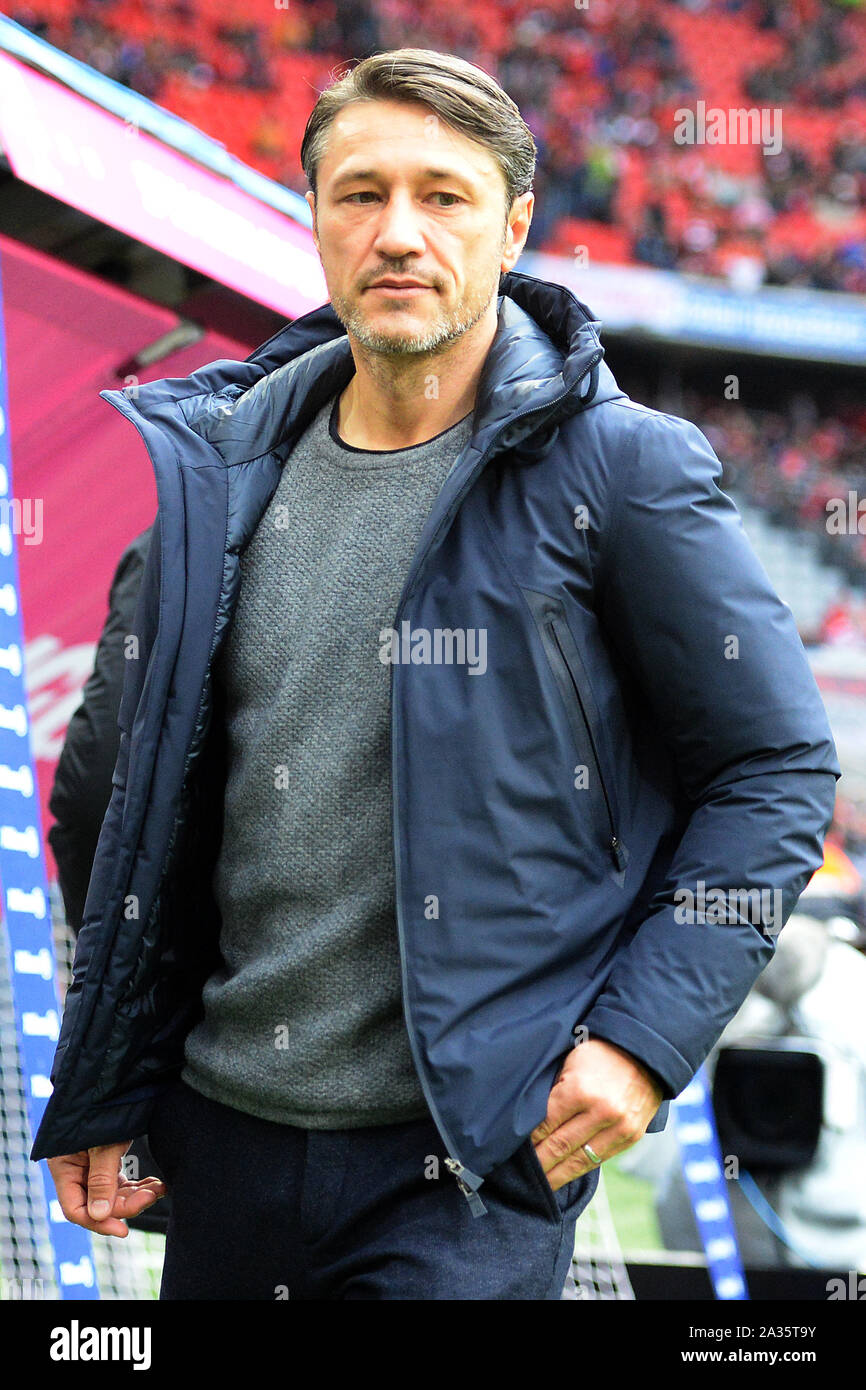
pixel 545 348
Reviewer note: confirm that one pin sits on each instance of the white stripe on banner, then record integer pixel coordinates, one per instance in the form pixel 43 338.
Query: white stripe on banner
pixel 23 878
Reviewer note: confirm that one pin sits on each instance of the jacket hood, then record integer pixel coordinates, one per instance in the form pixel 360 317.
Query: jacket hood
pixel 545 358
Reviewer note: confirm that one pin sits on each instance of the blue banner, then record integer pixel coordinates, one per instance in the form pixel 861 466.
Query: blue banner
pixel 695 1125
pixel 804 324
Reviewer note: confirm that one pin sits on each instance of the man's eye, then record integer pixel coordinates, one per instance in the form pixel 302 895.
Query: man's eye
pixel 368 192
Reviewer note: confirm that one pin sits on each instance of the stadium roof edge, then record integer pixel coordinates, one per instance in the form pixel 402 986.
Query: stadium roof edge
pixel 163 125
pixel 772 320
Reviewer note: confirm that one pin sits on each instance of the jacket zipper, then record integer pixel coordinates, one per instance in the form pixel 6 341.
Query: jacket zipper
pixel 614 842
pixel 467 1181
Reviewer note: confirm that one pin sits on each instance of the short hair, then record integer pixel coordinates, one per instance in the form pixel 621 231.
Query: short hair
pixel 466 98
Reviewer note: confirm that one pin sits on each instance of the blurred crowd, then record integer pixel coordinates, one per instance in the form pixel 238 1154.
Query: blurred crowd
pixel 599 85
pixel 800 462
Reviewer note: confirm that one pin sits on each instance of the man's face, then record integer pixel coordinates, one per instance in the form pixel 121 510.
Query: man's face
pixel 402 194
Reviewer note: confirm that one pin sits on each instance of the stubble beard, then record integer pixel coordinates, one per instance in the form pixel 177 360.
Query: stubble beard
pixel 445 328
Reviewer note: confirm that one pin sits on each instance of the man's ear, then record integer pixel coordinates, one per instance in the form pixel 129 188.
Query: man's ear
pixel 310 198
pixel 519 221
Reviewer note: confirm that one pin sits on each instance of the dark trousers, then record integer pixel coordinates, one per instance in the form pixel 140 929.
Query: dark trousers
pixel 269 1211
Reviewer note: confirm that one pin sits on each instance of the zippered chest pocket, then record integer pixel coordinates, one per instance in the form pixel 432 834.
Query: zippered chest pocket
pixel 569 672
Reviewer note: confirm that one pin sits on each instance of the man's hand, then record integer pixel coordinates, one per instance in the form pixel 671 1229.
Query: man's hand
pixel 601 1097
pixel 94 1193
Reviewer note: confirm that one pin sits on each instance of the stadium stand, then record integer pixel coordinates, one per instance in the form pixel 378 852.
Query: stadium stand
pixel 599 86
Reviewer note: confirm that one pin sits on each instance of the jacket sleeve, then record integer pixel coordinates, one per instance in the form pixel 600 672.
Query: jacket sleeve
pixel 715 652
pixel 144 626
pixel 82 781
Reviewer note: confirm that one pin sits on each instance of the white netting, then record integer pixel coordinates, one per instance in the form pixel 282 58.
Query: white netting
pixel 597 1266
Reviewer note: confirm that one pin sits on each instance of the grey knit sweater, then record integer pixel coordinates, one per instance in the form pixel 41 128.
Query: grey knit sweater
pixel 303 1022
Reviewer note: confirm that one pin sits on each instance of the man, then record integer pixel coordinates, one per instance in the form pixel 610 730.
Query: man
pixel 456 683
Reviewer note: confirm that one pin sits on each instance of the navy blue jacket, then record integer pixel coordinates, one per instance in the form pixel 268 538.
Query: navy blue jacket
pixel 647 721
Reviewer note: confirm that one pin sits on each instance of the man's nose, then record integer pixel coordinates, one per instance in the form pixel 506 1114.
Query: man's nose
pixel 399 231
